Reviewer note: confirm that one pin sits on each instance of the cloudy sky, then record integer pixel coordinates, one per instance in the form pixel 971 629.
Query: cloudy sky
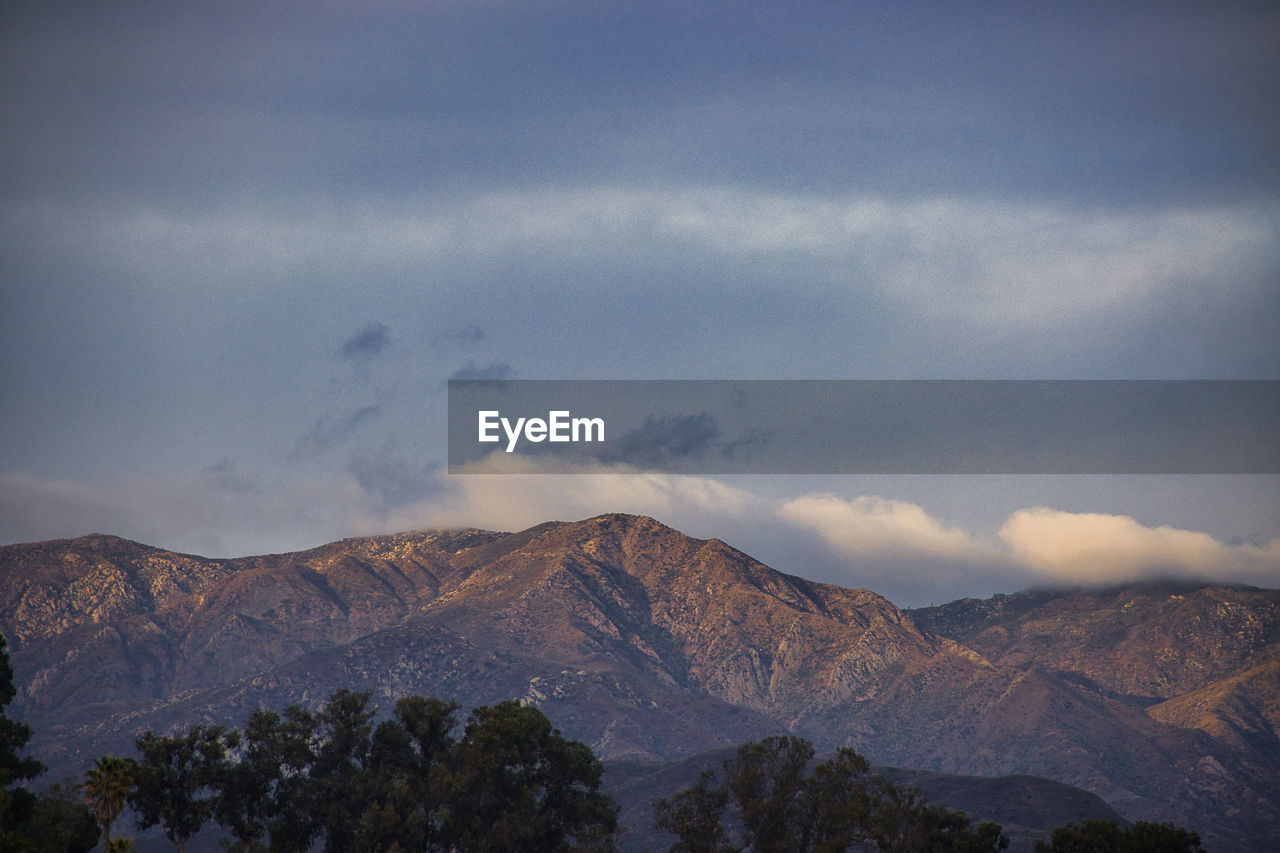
pixel 244 246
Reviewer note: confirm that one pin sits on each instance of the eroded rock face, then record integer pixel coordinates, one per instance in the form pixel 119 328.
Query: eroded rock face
pixel 646 643
pixel 1145 643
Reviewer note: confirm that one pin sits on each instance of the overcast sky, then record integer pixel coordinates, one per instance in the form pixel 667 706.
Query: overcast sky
pixel 245 245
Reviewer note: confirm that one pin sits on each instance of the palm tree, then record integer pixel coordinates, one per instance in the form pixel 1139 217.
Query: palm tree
pixel 106 787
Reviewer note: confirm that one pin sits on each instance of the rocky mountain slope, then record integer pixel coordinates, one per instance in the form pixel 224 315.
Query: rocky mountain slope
pixel 648 644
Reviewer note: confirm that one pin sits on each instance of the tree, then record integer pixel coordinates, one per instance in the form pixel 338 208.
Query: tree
pixel 1105 836
pixel 17 804
pixel 17 801
pixel 783 806
pixel 839 802
pixel 1148 837
pixel 767 781
pixel 265 796
pixel 175 777
pixel 339 774
pixel 302 781
pixel 694 816
pixel 407 795
pixel 903 821
pixel 55 820
pixel 106 787
pixel 516 785
pixel 60 821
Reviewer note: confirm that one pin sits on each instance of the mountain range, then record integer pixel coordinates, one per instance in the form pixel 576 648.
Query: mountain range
pixel 655 648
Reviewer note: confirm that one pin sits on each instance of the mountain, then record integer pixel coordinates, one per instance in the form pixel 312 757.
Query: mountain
pixel 650 645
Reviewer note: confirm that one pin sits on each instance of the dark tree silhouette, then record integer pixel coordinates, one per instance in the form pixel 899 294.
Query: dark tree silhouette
pixel 106 788
pixel 56 820
pixel 264 796
pixel 175 779
pixel 694 816
pixel 14 767
pixel 407 796
pixel 517 785
pixel 785 804
pixel 1104 836
pixel 299 781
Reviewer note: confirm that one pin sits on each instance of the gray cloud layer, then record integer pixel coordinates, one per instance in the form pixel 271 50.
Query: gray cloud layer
pixel 195 201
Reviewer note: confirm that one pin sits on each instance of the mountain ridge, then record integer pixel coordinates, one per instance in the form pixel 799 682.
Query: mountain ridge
pixel 649 644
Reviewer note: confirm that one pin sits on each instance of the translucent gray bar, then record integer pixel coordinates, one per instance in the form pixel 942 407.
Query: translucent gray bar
pixel 870 426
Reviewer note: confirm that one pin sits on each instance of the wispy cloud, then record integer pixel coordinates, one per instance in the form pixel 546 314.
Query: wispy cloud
pixel 225 476
pixel 327 433
pixel 369 341
pixel 393 479
pixel 469 335
pixel 493 370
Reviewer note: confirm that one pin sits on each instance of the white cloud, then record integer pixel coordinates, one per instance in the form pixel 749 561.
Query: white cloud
pixel 895 539
pixel 872 527
pixel 521 496
pixel 1095 548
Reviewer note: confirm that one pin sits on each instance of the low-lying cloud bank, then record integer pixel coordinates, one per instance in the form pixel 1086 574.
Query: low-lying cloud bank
pixel 892 546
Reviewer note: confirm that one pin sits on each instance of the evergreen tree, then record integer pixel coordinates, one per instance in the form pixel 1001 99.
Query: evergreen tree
pixel 16 802
pixel 55 820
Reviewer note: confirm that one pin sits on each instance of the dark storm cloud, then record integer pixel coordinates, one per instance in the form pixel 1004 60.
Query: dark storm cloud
pixel 665 440
pixel 327 433
pixel 494 370
pixel 370 340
